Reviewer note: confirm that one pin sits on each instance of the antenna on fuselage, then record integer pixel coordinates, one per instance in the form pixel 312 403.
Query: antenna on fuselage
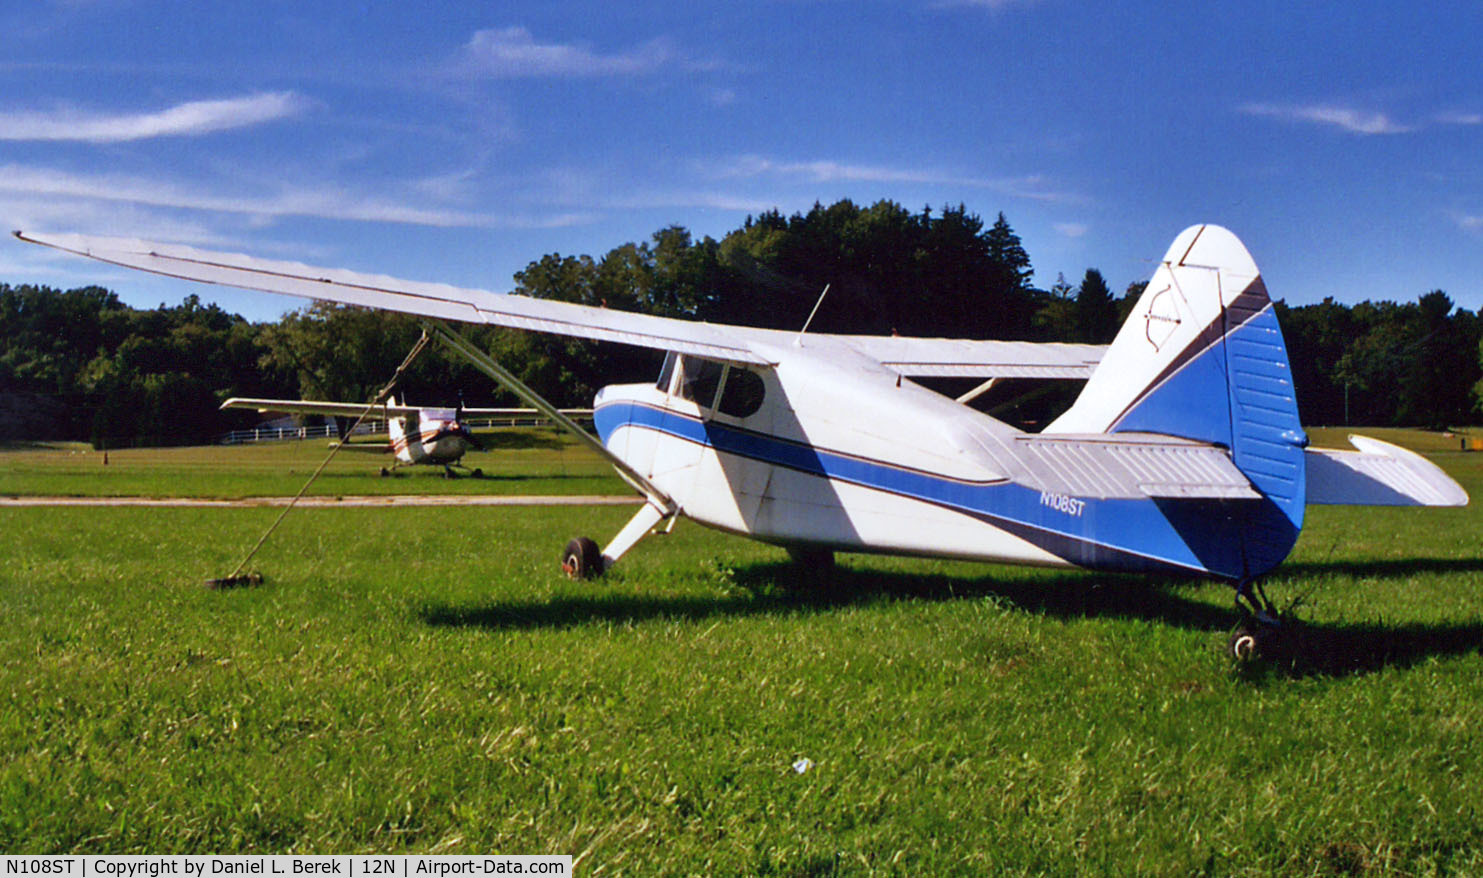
pixel 799 340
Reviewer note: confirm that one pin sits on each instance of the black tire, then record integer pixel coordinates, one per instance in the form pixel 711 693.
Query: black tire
pixel 478 473
pixel 581 559
pixel 1256 641
pixel 385 472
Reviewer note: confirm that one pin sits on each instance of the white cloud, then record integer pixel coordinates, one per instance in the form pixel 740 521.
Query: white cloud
pixel 1032 187
pixel 1071 230
pixel 721 97
pixel 513 52
pixel 35 185
pixel 188 119
pixel 991 5
pixel 1353 120
pixel 1460 118
pixel 1468 222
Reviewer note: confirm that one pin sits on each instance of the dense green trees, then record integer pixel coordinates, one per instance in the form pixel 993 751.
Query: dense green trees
pixel 119 375
pixel 104 371
pixel 1415 363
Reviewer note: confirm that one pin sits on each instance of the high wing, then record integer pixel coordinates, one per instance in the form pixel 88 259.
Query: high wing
pixel 314 407
pixel 735 344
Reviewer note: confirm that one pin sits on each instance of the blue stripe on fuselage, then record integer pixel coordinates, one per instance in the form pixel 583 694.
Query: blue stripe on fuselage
pixel 1118 534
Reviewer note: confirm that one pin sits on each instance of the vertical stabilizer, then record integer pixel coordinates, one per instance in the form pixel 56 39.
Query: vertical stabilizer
pixel 1201 357
pixel 394 426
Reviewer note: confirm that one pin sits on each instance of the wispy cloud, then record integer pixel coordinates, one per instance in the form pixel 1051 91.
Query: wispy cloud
pixel 1070 230
pixel 188 119
pixel 1350 119
pixel 1468 222
pixel 513 52
pixel 992 5
pixel 322 202
pixel 1032 187
pixel 1459 118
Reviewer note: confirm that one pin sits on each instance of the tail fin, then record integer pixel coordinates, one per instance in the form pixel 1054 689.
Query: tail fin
pixel 1201 357
pixel 394 429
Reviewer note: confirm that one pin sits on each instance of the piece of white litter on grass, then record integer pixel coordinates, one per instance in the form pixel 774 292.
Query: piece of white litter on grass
pixel 803 765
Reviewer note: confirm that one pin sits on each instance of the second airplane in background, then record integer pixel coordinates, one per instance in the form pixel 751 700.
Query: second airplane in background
pixel 418 435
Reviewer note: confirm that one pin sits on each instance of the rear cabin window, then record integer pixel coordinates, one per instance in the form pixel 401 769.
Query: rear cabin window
pixel 742 394
pixel 699 380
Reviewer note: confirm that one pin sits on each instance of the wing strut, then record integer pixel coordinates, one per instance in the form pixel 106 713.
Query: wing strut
pixel 458 343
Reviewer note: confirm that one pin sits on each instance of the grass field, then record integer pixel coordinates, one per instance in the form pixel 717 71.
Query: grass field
pixel 516 460
pixel 425 680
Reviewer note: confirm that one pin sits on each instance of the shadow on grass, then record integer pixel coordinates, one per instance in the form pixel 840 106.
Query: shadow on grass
pixel 1332 650
pixel 1393 568
pixel 1362 647
pixel 1351 649
pixel 780 588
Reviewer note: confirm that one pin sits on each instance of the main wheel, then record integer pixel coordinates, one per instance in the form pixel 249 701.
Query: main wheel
pixel 478 473
pixel 581 559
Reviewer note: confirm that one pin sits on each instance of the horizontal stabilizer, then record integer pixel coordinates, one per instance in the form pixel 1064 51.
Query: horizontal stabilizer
pixel 1132 465
pixel 1378 474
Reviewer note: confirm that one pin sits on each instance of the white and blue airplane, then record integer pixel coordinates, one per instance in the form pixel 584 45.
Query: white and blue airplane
pixel 417 435
pixel 1182 454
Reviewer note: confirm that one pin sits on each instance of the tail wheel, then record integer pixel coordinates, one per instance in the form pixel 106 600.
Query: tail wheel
pixel 581 559
pixel 1244 645
pixel 1257 641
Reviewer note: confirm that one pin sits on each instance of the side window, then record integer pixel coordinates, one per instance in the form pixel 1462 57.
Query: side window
pixel 699 380
pixel 666 372
pixel 743 394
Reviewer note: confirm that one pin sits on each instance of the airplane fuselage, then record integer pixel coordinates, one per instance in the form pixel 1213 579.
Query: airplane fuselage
pixel 435 437
pixel 847 456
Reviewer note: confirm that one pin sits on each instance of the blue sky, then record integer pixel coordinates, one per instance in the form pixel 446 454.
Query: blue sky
pixel 457 142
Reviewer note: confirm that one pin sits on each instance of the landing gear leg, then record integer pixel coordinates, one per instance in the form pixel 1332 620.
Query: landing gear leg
pixel 811 560
pixel 814 570
pixel 582 560
pixel 1260 632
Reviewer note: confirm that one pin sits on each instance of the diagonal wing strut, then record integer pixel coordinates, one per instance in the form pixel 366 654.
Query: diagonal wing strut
pixel 460 344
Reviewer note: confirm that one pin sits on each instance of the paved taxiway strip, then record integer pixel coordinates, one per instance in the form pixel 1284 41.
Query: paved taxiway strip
pixel 335 502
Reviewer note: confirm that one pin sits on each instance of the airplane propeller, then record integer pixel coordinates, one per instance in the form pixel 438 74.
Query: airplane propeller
pixel 468 435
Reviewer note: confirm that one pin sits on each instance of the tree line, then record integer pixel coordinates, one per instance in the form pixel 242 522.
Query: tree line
pixel 80 364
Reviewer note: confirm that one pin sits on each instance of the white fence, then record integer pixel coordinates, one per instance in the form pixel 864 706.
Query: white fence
pixel 280 434
pixel 368 428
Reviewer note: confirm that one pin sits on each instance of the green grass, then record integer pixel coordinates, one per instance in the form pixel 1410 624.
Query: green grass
pixel 516 461
pixel 420 680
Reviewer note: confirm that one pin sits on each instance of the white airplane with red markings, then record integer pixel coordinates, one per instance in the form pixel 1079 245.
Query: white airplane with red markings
pixel 1182 454
pixel 419 435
